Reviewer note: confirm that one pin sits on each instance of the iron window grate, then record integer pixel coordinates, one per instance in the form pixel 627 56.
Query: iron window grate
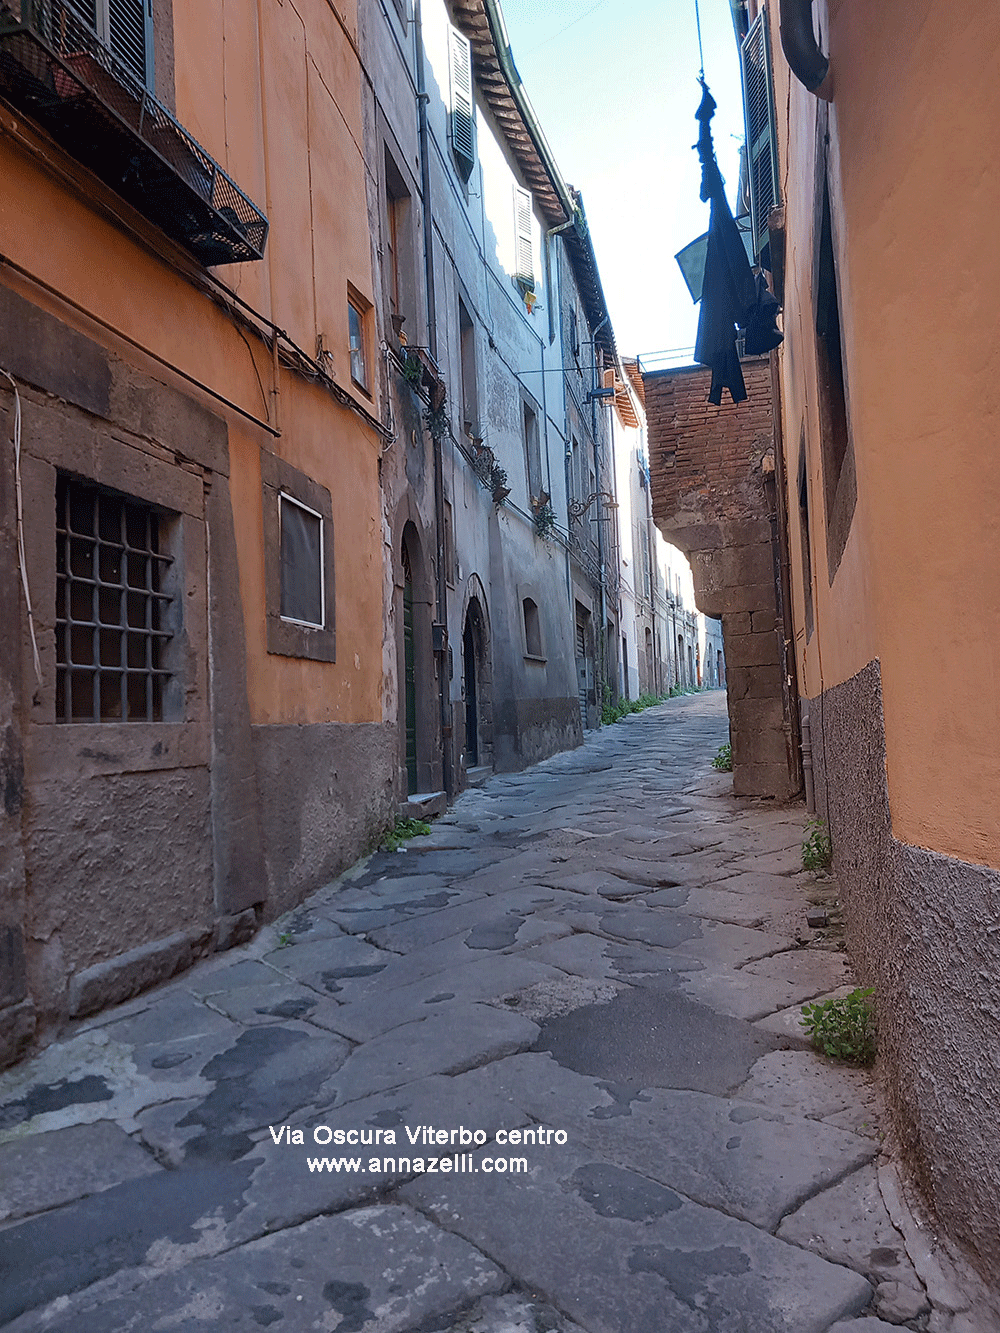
pixel 111 610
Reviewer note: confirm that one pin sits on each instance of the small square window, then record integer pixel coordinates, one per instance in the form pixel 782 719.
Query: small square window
pixel 356 331
pixel 302 592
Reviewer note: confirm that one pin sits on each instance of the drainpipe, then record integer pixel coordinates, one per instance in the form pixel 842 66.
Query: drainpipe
pixel 441 594
pixel 775 485
pixel 798 41
pixel 553 231
pixel 603 640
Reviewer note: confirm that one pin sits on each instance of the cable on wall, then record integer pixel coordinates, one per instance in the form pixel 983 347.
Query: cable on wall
pixel 20 524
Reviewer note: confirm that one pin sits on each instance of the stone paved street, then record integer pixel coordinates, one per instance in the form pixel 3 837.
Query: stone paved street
pixel 605 951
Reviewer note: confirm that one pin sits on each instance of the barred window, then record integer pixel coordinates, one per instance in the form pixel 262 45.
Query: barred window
pixel 112 606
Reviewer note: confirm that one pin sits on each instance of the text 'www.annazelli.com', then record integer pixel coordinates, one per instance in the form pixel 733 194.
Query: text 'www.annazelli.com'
pixel 408 1166
pixel 457 1162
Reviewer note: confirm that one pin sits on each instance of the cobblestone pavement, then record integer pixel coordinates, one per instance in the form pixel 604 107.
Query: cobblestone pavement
pixel 559 1038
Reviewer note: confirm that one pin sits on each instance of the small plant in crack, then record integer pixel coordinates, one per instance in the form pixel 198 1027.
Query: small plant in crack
pixel 402 831
pixel 723 761
pixel 817 849
pixel 843 1028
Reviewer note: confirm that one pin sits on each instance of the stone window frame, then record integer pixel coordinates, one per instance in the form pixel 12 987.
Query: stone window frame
pixel 58 441
pixel 162 604
pixel 287 638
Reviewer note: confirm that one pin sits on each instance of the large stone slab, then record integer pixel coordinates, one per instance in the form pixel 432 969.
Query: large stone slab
pixel 655 1038
pixel 64 1251
pixel 849 1224
pixel 744 1159
pixel 377 1269
pixel 449 991
pixel 325 964
pixel 805 1083
pixel 442 1043
pixel 263 1078
pixel 47 1170
pixel 284 1191
pixel 767 985
pixel 615 1250
pixel 512 1313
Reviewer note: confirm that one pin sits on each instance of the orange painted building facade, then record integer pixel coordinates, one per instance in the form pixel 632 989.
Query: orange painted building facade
pixel 186 336
pixel 881 250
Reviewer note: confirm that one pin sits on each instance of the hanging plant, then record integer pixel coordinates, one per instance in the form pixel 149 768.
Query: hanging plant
pixel 545 521
pixel 412 371
pixel 498 484
pixel 436 421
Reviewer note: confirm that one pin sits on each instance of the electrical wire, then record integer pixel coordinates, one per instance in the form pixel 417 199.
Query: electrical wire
pixel 20 524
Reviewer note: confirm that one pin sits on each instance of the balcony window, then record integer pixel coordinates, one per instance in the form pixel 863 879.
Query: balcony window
pixel 80 69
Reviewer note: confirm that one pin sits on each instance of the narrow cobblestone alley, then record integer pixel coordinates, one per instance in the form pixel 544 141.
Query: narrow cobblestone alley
pixel 603 952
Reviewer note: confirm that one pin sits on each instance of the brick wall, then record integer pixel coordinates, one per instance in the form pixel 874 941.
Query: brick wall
pixel 706 458
pixel 711 484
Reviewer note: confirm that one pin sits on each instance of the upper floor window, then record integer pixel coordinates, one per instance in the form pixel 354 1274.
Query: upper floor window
pixel 470 382
pixel 761 145
pixel 124 26
pixel 400 265
pixel 524 257
pixel 356 337
pixel 461 119
pixel 533 455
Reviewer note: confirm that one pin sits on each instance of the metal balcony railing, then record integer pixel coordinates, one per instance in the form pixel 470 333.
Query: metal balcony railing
pixel 55 69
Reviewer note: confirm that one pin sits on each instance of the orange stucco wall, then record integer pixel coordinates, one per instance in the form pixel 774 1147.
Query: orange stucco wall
pixel 291 137
pixel 915 199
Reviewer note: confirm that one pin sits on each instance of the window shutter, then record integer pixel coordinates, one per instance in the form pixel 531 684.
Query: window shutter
pixel 130 36
pixel 463 131
pixel 762 150
pixel 524 263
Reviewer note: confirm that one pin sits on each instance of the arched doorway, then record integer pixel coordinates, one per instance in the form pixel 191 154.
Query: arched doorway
pixel 476 687
pixel 409 671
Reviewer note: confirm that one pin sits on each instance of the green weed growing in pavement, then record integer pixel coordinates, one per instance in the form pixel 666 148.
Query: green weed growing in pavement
pixel 817 849
pixel 402 831
pixel 615 712
pixel 844 1028
pixel 723 761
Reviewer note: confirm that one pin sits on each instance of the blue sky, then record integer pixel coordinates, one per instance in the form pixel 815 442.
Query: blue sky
pixel 614 86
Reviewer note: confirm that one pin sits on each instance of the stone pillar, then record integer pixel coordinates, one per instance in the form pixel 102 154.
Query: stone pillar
pixel 708 467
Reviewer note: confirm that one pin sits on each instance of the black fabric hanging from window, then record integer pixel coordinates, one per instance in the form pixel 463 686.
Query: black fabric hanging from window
pixel 731 297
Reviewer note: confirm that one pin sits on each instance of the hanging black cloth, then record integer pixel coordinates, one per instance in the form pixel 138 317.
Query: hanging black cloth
pixel 731 297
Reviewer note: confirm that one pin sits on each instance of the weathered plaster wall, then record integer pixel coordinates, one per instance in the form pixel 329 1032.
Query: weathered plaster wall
pixel 326 792
pixel 918 930
pixel 710 499
pixel 913 221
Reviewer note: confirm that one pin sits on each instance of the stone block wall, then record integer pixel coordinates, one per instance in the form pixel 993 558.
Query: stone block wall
pixel 711 484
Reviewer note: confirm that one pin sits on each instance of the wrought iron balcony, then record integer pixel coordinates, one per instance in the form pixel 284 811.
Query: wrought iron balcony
pixel 54 68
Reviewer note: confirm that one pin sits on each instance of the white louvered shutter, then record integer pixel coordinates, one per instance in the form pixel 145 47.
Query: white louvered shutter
pixel 463 130
pixel 129 35
pixel 761 146
pixel 524 258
